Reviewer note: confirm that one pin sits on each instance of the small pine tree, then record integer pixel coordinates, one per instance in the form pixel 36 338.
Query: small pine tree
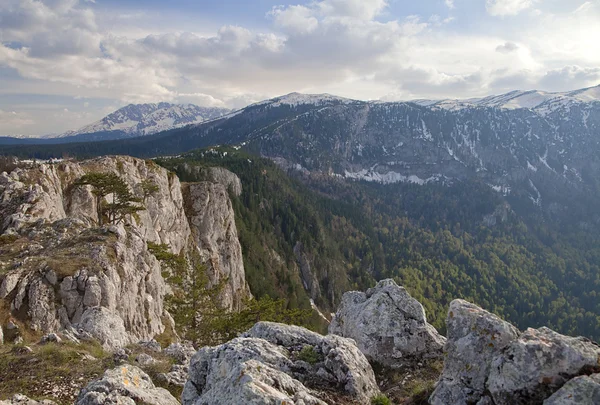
pixel 122 203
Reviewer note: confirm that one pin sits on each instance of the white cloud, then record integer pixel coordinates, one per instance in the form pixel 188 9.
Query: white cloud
pixel 508 7
pixel 507 47
pixel 449 4
pixel 353 48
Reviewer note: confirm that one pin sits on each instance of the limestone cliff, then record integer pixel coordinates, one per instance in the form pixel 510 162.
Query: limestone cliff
pixel 57 264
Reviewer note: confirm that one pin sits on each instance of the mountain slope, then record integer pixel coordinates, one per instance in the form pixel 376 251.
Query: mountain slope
pixel 147 119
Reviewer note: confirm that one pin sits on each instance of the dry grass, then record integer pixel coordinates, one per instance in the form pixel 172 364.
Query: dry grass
pixel 410 386
pixel 52 371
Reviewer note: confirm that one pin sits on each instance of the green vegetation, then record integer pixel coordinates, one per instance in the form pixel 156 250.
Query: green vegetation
pixel 54 371
pixel 431 239
pixel 123 202
pixel 195 306
pixel 380 400
pixel 308 354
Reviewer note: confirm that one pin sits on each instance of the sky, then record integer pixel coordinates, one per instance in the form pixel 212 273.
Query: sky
pixel 68 63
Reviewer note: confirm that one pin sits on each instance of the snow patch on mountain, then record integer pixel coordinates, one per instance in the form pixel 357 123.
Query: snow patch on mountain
pixel 148 119
pixel 541 102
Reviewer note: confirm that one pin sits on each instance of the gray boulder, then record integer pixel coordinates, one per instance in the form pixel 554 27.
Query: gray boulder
pixel 105 326
pixel 388 325
pixel 181 352
pixel 177 376
pixel 273 363
pixel 584 390
pixel 124 385
pixel 537 364
pixel 475 337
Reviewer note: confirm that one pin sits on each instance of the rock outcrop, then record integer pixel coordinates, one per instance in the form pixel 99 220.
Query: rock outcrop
pixel 127 385
pixel 388 325
pixel 64 270
pixel 490 362
pixel 475 337
pixel 214 233
pixel 584 390
pixel 537 364
pixel 276 364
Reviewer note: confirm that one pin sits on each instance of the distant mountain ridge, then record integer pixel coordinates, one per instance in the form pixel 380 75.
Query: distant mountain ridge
pixel 541 102
pixel 148 119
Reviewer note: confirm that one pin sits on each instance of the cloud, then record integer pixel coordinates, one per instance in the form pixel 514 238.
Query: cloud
pixel 12 122
pixel 507 47
pixel 507 7
pixel 449 4
pixel 570 77
pixel 353 48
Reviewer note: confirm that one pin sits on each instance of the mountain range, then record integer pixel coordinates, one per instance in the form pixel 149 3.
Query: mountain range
pixel 130 121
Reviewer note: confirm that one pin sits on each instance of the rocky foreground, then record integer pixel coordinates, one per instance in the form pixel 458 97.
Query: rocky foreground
pixel 88 301
pixel 486 361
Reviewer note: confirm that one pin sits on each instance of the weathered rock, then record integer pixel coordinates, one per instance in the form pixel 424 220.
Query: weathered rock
pixel 584 390
pixel 177 376
pixel 62 264
pixel 475 337
pixel 537 364
pixel 151 345
pixel 212 220
pixel 388 325
pixel 19 399
pixel 266 366
pixel 181 352
pixel 50 338
pixel 144 359
pixel 227 178
pixel 105 326
pixel 126 385
pixel 121 355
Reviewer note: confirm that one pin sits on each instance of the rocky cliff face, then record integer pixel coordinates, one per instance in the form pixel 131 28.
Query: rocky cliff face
pixel 58 268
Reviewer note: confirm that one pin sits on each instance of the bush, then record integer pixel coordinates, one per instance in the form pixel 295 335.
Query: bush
pixel 380 400
pixel 308 354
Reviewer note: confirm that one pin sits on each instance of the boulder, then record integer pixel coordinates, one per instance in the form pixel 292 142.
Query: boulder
pixel 181 352
pixel 105 326
pixel 275 364
pixel 151 345
pixel 50 338
pixel 537 364
pixel 126 385
pixel 388 325
pixel 584 390
pixel 144 360
pixel 475 337
pixel 177 376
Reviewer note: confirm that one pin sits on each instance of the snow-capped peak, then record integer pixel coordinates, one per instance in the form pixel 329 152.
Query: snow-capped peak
pixel 147 119
pixel 539 101
pixel 295 99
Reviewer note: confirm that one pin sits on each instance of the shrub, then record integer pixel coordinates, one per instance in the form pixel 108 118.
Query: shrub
pixel 380 400
pixel 308 354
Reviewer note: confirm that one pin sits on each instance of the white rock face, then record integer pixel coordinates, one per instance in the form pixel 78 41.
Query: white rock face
pixel 265 367
pixel 537 364
pixel 490 362
pixel 126 385
pixel 584 390
pixel 62 264
pixel 212 220
pixel 388 325
pixel 105 326
pixel 475 336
